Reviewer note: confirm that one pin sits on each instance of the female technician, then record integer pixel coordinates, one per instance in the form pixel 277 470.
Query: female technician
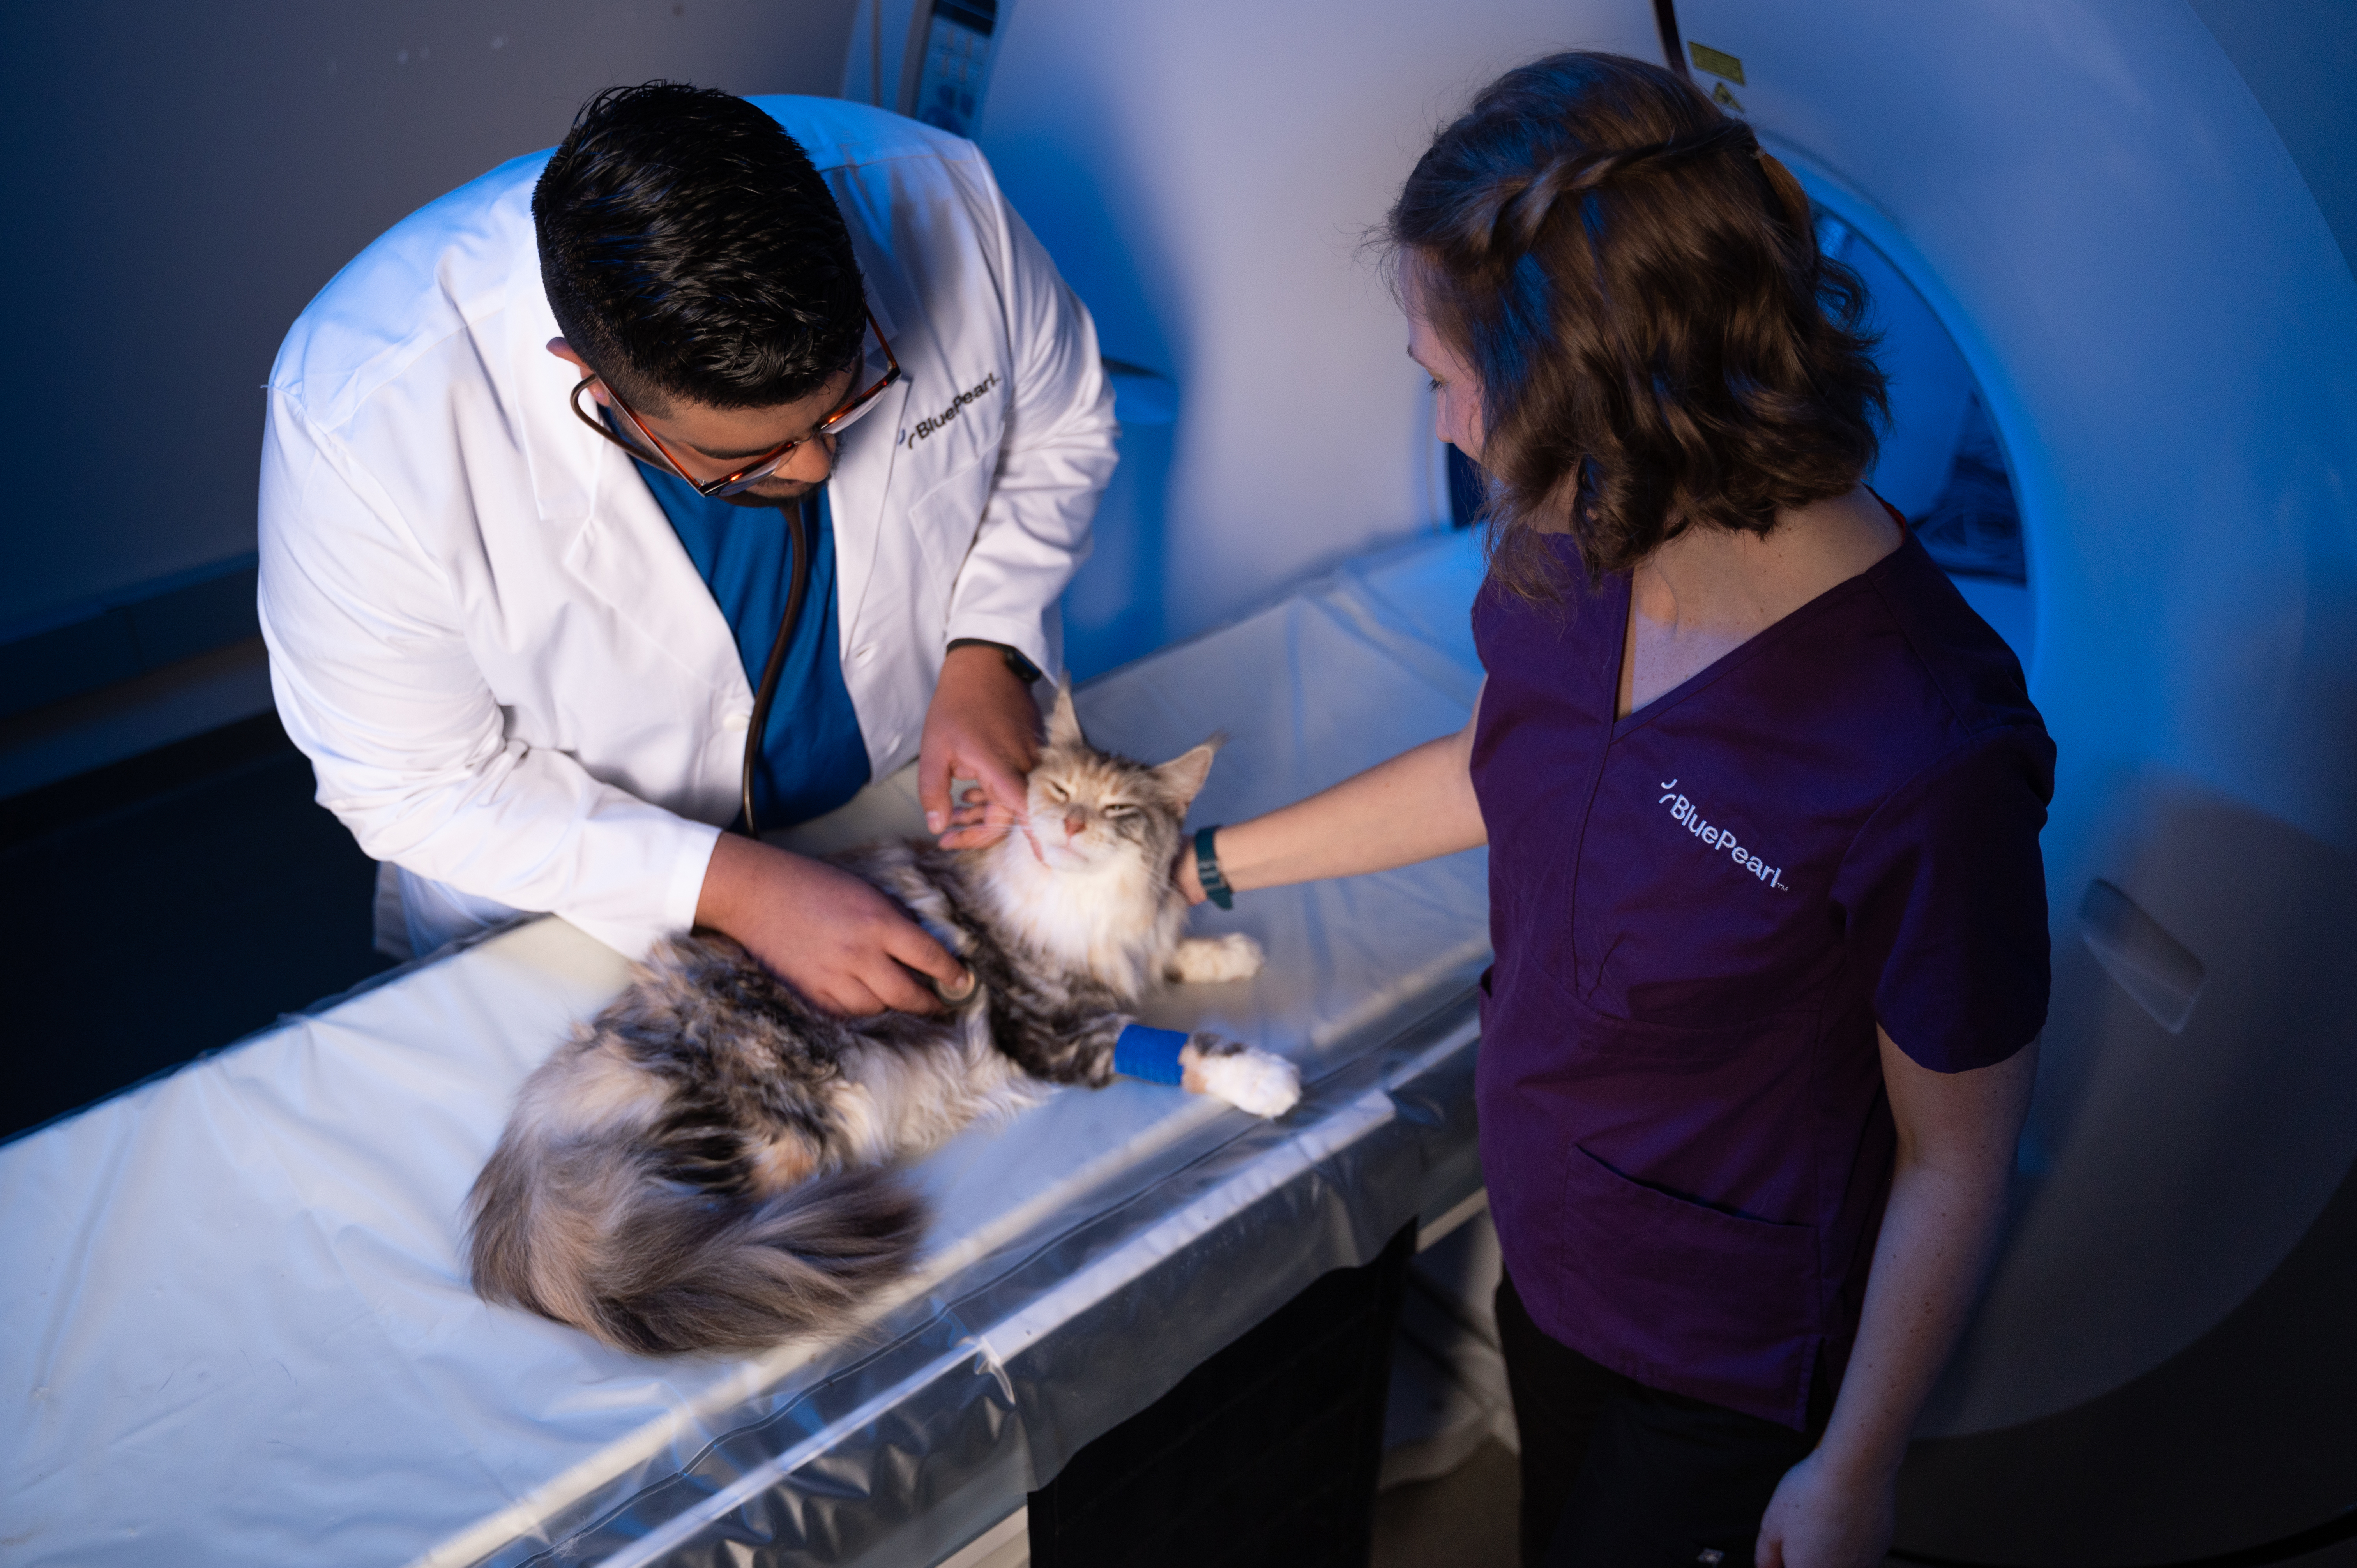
pixel 1762 799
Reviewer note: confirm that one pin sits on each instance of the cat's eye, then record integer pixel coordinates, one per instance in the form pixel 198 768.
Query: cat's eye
pixel 1059 794
pixel 1118 809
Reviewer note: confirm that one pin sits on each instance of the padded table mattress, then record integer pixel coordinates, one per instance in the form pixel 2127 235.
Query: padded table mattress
pixel 236 1329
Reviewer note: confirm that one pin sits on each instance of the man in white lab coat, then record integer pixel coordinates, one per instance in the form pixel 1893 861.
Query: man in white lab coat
pixel 522 561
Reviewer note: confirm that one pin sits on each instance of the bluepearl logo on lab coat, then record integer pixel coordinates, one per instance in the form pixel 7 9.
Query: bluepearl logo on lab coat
pixel 957 406
pixel 1682 810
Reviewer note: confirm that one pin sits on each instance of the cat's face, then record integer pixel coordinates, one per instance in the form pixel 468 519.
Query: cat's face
pixel 1091 812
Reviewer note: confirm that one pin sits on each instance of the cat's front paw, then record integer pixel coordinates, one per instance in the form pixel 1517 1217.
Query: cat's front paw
pixel 1206 959
pixel 1248 1080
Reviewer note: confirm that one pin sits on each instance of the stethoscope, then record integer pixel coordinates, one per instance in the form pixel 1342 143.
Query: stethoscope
pixel 799 524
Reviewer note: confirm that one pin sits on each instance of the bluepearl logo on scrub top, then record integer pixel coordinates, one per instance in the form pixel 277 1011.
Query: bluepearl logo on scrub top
pixel 957 406
pixel 1682 810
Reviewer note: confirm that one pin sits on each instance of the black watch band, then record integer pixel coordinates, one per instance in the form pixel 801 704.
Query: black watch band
pixel 1207 868
pixel 1025 671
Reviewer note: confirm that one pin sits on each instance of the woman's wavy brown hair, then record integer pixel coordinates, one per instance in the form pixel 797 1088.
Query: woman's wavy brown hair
pixel 1659 342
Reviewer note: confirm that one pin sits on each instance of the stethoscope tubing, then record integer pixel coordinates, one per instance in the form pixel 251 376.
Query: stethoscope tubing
pixel 798 528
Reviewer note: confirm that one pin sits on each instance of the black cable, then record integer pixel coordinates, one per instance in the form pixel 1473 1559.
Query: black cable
pixel 1665 19
pixel 798 527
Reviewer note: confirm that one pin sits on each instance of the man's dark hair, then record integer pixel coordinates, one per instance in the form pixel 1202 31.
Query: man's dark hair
pixel 690 250
pixel 1660 342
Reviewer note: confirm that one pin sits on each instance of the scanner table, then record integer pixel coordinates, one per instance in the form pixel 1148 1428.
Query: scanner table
pixel 237 1328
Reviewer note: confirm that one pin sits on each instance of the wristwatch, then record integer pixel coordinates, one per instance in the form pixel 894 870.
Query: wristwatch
pixel 1207 868
pixel 1025 671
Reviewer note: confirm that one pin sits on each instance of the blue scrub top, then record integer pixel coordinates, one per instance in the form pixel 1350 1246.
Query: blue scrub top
pixel 814 758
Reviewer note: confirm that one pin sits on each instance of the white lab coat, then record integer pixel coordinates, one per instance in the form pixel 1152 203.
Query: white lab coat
pixel 507 673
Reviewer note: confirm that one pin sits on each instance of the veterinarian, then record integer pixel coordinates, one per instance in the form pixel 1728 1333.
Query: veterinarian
pixel 530 479
pixel 1763 796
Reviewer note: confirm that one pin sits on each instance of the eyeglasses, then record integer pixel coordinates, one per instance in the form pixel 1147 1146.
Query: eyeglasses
pixel 877 370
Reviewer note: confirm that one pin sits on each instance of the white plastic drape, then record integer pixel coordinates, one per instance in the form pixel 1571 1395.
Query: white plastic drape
pixel 237 1330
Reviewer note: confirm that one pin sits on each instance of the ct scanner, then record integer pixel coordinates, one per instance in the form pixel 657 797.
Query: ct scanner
pixel 2107 275
pixel 2080 216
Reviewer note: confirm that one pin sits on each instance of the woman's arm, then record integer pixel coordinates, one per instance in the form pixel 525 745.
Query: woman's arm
pixel 1940 1230
pixel 1418 805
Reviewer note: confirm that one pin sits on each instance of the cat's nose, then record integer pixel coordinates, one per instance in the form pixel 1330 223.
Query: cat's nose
pixel 1073 824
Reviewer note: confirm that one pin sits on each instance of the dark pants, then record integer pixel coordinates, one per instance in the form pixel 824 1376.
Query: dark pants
pixel 1617 1474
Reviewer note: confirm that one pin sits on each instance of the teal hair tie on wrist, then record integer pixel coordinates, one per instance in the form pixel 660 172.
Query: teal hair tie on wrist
pixel 1149 1054
pixel 1207 870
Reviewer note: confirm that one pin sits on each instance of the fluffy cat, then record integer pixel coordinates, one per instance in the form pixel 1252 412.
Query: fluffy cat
pixel 705 1167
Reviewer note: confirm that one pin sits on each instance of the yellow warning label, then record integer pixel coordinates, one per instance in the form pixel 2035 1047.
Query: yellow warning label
pixel 1718 63
pixel 1726 99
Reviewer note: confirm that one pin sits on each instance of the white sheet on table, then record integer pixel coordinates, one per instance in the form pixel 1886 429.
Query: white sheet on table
pixel 235 1317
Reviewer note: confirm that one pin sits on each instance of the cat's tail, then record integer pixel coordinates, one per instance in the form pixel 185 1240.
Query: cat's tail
pixel 661 1269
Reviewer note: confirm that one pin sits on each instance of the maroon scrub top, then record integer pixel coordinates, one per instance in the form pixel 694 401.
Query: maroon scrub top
pixel 1700 912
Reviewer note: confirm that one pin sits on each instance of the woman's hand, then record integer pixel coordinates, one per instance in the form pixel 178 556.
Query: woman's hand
pixel 1418 805
pixel 1823 1517
pixel 1939 1229
pixel 1183 873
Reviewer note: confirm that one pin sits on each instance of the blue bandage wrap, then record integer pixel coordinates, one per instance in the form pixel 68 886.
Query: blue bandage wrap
pixel 1149 1054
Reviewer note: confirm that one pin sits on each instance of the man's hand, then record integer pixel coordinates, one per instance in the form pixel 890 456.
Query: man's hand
pixel 1822 1516
pixel 983 725
pixel 831 936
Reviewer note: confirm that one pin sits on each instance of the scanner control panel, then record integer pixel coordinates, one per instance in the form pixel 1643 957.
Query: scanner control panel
pixel 956 64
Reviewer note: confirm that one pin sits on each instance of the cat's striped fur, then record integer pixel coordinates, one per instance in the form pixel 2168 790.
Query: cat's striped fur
pixel 707 1165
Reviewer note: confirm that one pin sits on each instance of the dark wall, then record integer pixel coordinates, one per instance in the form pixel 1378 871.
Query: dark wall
pixel 180 181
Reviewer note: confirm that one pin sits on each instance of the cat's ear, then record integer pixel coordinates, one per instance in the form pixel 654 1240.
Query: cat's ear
pixel 1063 723
pixel 1183 775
